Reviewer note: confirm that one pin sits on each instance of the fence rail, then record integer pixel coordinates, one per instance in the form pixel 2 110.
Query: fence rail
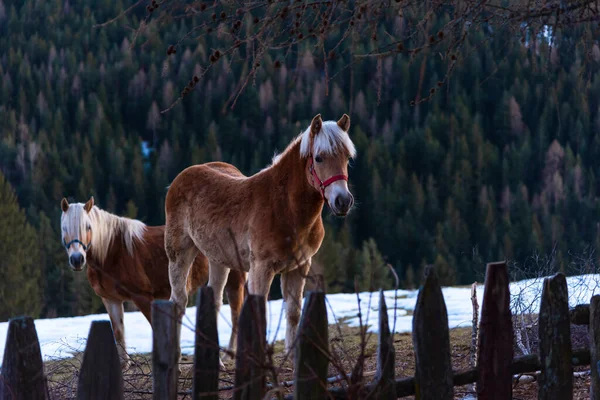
pixel 22 375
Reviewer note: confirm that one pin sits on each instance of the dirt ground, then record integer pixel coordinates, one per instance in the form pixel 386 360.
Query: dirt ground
pixel 345 344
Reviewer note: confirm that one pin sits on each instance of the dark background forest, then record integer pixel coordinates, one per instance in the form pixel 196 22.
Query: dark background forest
pixel 500 163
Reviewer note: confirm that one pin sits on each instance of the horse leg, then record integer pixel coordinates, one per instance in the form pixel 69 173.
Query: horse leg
pixel 292 286
pixel 181 255
pixel 235 296
pixel 217 278
pixel 181 252
pixel 260 279
pixel 116 312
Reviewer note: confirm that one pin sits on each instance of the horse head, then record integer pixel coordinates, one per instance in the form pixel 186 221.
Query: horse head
pixel 329 150
pixel 76 231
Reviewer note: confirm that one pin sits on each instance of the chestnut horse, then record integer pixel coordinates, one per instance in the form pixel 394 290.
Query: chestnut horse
pixel 126 261
pixel 266 224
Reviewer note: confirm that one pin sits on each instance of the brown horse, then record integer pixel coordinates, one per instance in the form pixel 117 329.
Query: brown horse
pixel 127 261
pixel 265 224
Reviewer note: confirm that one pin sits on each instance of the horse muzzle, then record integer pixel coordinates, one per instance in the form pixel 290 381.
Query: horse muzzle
pixel 342 204
pixel 77 261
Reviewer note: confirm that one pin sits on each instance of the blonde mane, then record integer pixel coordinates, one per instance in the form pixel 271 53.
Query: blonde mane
pixel 278 156
pixel 331 139
pixel 105 226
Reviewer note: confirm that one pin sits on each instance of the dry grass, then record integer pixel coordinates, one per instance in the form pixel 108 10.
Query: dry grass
pixel 345 344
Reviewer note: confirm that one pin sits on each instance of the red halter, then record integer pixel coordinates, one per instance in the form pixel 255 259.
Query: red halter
pixel 323 185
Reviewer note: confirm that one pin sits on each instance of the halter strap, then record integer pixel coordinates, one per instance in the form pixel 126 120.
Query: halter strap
pixel 328 181
pixel 67 245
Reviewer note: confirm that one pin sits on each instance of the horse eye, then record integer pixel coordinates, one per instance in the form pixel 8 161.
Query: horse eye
pixel 318 159
pixel 89 228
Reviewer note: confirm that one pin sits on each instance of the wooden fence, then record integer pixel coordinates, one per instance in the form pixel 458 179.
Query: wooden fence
pixel 22 374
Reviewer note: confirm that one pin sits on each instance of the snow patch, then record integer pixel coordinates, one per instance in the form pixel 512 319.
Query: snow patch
pixel 61 337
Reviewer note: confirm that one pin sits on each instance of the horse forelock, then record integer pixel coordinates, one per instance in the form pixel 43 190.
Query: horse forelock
pixel 73 221
pixel 330 140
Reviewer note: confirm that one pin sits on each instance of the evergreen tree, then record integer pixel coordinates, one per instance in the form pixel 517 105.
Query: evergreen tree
pixel 20 270
pixel 375 274
pixel 57 276
pixel 485 169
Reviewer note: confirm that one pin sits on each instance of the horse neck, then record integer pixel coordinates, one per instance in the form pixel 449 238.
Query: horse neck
pixel 116 246
pixel 291 171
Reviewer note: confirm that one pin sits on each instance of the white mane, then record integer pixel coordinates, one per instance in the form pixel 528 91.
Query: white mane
pixel 332 138
pixel 105 226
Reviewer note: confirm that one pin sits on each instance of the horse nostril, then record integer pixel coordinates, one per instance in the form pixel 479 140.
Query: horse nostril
pixel 76 260
pixel 339 203
pixel 343 203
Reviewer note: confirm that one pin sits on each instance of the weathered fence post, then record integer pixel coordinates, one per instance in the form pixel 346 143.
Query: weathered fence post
pixel 595 347
pixel 164 350
pixel 496 336
pixel 431 341
pixel 100 376
pixel 206 354
pixel 556 378
pixel 251 346
pixel 22 374
pixel 312 349
pixel 385 383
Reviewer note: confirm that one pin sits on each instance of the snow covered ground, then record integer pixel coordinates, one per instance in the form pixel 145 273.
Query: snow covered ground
pixel 61 337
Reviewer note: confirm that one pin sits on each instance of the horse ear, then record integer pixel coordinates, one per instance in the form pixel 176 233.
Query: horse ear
pixel 64 204
pixel 315 125
pixel 88 206
pixel 344 122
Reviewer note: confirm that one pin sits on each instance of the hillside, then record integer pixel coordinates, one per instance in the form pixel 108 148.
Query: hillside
pixel 501 163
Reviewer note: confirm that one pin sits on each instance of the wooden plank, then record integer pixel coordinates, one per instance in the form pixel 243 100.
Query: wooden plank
pixel 206 353
pixel 531 362
pixel 385 386
pixel 431 342
pixel 556 379
pixel 406 386
pixel 312 349
pixel 22 375
pixel 524 364
pixel 580 314
pixel 164 350
pixel 100 377
pixel 594 332
pixel 496 336
pixel 250 354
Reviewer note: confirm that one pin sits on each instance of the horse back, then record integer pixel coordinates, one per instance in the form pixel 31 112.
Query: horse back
pixel 224 168
pixel 217 181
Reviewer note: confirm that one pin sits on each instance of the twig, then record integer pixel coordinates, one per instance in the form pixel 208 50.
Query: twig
pixel 475 332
